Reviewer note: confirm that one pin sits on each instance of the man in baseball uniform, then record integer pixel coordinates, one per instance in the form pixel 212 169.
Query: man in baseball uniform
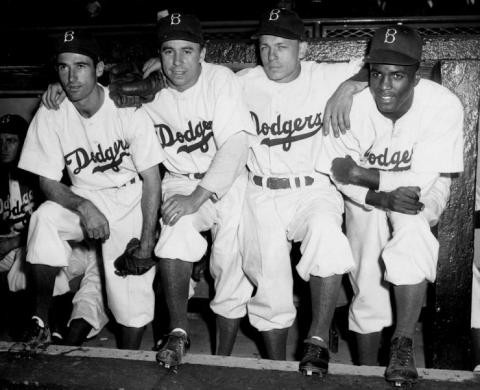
pixel 104 150
pixel 287 199
pixel 405 136
pixel 20 196
pixel 203 126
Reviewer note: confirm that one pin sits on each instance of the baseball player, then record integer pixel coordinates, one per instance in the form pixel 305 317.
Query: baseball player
pixel 287 199
pixel 19 197
pixel 104 150
pixel 406 134
pixel 475 311
pixel 203 126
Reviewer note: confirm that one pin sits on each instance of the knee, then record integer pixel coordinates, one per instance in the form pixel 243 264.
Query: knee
pixel 323 225
pixel 45 212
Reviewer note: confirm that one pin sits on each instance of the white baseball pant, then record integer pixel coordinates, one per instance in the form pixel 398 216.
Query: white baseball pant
pixel 407 256
pixel 183 241
pixel 131 299
pixel 272 218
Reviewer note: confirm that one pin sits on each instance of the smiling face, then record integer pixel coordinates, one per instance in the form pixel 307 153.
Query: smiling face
pixel 392 87
pixel 181 63
pixel 9 147
pixel 78 75
pixel 281 57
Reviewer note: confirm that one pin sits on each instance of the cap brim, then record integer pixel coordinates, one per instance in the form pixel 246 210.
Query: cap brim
pixel 180 35
pixel 78 50
pixel 390 57
pixel 277 32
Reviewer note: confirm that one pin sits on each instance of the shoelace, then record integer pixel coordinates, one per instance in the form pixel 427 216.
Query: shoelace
pixel 402 355
pixel 312 351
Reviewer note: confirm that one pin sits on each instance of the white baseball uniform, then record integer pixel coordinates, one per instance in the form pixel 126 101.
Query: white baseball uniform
pixel 287 199
pixel 103 155
pixel 475 312
pixel 192 126
pixel 413 151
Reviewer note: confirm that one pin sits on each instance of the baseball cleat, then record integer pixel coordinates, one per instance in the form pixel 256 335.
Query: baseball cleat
pixel 36 338
pixel 173 349
pixel 315 360
pixel 401 371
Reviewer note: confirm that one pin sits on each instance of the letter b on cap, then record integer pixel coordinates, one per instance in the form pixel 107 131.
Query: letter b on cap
pixel 175 19
pixel 274 14
pixel 68 37
pixel 390 35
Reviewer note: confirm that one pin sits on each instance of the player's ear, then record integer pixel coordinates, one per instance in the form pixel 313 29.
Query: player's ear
pixel 203 50
pixel 99 69
pixel 417 77
pixel 302 50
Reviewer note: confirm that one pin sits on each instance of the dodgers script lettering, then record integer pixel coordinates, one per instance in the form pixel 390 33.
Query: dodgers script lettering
pixel 396 161
pixel 283 131
pixel 195 137
pixel 108 158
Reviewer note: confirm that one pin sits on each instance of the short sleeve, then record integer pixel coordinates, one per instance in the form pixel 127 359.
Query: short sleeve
pixel 145 146
pixel 42 152
pixel 231 115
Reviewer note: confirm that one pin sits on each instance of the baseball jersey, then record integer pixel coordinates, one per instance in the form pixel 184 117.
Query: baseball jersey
pixel 426 140
pixel 16 203
pixel 288 117
pixel 192 125
pixel 103 151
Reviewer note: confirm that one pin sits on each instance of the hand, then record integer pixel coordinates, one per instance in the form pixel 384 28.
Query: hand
pixel 53 96
pixel 93 221
pixel 342 169
pixel 403 200
pixel 152 65
pixel 177 206
pixel 337 110
pixel 7 244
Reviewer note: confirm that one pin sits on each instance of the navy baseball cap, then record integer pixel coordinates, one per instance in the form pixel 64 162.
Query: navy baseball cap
pixel 180 26
pixel 14 124
pixel 282 23
pixel 395 45
pixel 80 42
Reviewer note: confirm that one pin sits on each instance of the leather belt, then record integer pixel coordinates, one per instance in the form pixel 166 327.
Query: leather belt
pixel 196 175
pixel 281 183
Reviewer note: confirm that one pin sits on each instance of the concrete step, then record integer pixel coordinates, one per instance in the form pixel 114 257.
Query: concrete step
pixel 61 367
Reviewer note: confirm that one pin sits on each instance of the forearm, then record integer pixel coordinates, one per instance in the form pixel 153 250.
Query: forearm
pixel 227 164
pixel 151 195
pixel 61 194
pixel 199 196
pixel 376 199
pixel 364 177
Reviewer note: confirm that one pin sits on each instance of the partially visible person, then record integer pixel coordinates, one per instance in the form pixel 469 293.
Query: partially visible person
pixel 17 194
pixel 475 311
pixel 111 156
pixel 393 166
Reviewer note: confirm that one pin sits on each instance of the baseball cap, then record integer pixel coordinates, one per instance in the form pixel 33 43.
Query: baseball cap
pixel 395 45
pixel 80 42
pixel 281 23
pixel 180 26
pixel 14 124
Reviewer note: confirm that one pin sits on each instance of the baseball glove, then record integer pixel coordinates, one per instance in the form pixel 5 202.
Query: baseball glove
pixel 129 89
pixel 128 264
